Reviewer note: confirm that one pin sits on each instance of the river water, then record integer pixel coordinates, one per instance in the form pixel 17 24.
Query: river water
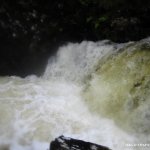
pixel 93 91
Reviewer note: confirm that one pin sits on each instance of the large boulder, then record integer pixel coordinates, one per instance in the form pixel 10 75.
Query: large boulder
pixel 65 143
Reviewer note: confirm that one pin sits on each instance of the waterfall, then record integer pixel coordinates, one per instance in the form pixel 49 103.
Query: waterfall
pixel 94 91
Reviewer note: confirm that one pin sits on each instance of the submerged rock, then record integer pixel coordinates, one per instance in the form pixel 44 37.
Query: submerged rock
pixel 65 143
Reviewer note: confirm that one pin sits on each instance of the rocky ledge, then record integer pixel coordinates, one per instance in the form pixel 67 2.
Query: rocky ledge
pixel 65 143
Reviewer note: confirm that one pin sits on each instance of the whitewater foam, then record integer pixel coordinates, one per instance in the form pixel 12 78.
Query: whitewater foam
pixel 34 110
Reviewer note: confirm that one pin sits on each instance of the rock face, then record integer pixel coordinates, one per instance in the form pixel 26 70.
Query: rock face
pixel 31 31
pixel 65 143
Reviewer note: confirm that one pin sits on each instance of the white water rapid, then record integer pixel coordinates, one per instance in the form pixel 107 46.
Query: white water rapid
pixel 93 91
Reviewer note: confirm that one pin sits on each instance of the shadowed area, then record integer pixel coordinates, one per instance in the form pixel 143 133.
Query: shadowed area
pixel 32 30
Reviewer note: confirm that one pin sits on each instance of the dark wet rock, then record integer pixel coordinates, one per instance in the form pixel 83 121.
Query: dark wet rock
pixel 65 143
pixel 32 30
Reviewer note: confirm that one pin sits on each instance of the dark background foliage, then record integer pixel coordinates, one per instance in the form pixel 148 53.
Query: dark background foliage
pixel 32 30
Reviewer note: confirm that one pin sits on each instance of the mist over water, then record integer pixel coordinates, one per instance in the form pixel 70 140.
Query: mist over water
pixel 94 91
pixel 75 62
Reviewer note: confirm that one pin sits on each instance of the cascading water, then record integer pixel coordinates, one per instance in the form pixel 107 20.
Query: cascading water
pixel 98 92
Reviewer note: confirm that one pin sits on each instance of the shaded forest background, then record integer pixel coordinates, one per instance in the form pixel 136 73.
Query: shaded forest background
pixel 32 30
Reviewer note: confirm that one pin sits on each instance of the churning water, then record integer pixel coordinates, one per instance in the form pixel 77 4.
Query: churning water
pixel 98 92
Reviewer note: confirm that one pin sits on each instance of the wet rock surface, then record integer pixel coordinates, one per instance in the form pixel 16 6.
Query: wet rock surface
pixel 65 143
pixel 32 30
